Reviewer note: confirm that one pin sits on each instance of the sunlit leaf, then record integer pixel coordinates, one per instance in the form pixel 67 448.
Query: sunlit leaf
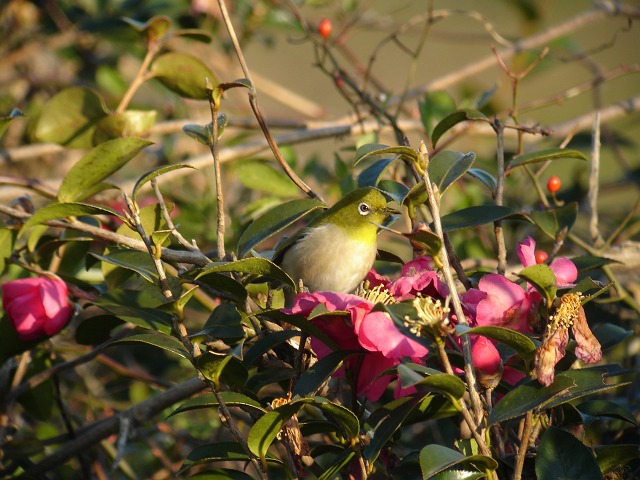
pixel 523 345
pixel 156 172
pixel 66 210
pixel 154 28
pixel 209 400
pixel 453 119
pixel 165 342
pixel 183 74
pixel 447 166
pixel 101 162
pixel 544 155
pixel 260 267
pixel 480 215
pixel 225 368
pixel 372 149
pixel 259 175
pixel 543 279
pixel 132 123
pixel 615 457
pixel 436 458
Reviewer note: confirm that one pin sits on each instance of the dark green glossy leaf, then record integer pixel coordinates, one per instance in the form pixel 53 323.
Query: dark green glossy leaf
pixel 150 318
pixel 605 408
pixel 221 474
pixel 101 162
pixel 370 176
pixel 341 461
pixel 66 210
pixel 260 176
pixel 313 378
pixel 554 220
pixel 183 74
pixel 133 260
pixel 341 416
pixel 425 240
pixel 373 149
pixel 543 279
pixel 585 263
pixel 218 452
pixel 132 123
pixel 523 345
pixel 485 178
pixel 254 266
pixel 438 458
pixel 561 456
pixel 224 322
pixel 224 284
pixel 96 329
pixel 458 475
pixel 435 106
pixel 221 368
pixel 266 343
pixel 156 172
pixel 544 155
pixel 275 221
pixel 264 431
pixel 480 215
pixel 528 396
pixel 396 190
pixel 165 342
pixel 69 117
pixel 447 166
pixel 303 324
pixel 385 430
pixel 10 344
pixel 269 378
pixel 587 381
pixel 613 458
pixel 610 335
pixel 453 119
pixel 209 400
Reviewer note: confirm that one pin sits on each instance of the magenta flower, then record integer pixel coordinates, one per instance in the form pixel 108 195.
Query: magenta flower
pixel 416 277
pixel 36 306
pixel 381 344
pixel 563 268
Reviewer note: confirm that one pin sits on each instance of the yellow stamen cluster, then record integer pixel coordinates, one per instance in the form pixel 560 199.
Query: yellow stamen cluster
pixel 567 312
pixel 431 313
pixel 377 294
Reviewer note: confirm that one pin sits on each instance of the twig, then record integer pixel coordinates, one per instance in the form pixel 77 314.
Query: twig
pixel 138 414
pixel 524 444
pixel 497 226
pixel 253 101
pixel 594 186
pixel 167 218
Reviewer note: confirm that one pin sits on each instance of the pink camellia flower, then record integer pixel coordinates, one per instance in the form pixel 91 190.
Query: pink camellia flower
pixel 36 306
pixel 381 344
pixel 563 268
pixel 416 277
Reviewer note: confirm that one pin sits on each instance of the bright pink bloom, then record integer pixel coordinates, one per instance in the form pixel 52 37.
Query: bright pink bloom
pixel 36 306
pixel 416 277
pixel 372 333
pixel 564 269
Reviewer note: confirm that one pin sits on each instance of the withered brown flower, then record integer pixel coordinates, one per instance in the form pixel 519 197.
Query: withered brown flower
pixel 568 313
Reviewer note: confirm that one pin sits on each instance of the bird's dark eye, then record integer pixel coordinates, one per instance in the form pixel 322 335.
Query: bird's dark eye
pixel 364 209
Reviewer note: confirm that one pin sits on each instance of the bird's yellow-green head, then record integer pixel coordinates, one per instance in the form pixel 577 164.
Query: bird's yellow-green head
pixel 336 251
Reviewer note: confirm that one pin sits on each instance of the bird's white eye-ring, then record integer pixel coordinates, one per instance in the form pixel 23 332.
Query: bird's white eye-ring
pixel 364 209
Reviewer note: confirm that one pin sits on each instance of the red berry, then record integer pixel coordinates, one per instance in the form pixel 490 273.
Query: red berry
pixel 325 27
pixel 554 184
pixel 541 256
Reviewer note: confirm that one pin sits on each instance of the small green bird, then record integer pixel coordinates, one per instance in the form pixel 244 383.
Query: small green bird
pixel 337 249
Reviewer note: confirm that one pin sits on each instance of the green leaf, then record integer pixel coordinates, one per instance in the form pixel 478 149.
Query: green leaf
pixel 561 456
pixel 340 462
pixel 224 322
pixel 264 431
pixel 209 400
pixel 554 220
pixel 165 342
pixel 438 458
pixel 543 156
pixel 605 408
pixel 385 429
pixel 523 345
pixel 259 175
pixel 223 368
pixel 218 452
pixel 435 106
pixel 225 284
pixel 156 172
pixel 7 239
pixel 220 474
pixel 266 343
pixel 149 318
pixel 260 267
pixel 5 121
pixel 202 133
pixel 133 260
pixel 102 161
pixel 447 166
pixel 453 119
pixel 302 323
pixel 10 344
pixel 69 118
pixel 587 381
pixel 459 475
pixel 452 387
pixel 485 178
pixel 66 210
pixel 132 123
pixel 155 28
pixel 480 215
pixel 183 74
pixel 339 415
pixel 528 396
pixel 373 149
pixel 370 176
pixel 274 221
pixel 585 263
pixel 543 279
pixel 610 335
pixel 313 378
pixel 614 457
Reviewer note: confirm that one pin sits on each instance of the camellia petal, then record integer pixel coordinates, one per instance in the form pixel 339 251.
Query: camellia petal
pixel 377 332
pixel 565 271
